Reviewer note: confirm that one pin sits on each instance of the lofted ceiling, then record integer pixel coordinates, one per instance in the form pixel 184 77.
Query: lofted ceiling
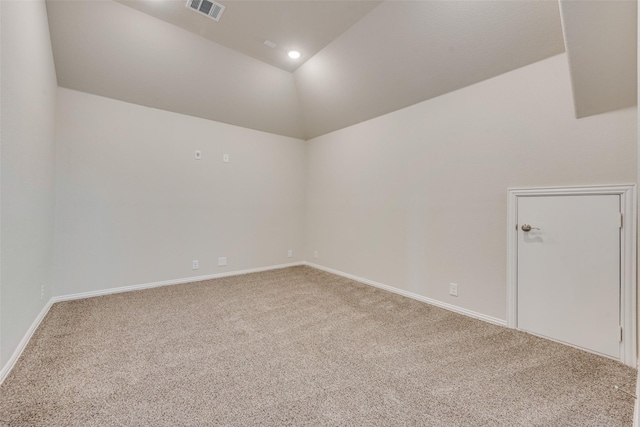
pixel 361 59
pixel 302 25
pixel 404 52
pixel 105 48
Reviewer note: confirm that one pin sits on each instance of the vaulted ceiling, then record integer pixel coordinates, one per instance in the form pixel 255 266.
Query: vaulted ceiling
pixel 304 26
pixel 360 59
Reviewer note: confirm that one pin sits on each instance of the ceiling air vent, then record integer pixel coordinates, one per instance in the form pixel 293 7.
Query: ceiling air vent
pixel 206 7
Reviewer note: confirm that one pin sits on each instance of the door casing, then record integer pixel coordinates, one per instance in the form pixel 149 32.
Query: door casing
pixel 628 272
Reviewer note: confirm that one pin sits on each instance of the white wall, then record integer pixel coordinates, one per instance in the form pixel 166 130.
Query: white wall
pixel 601 43
pixel 27 168
pixel 636 407
pixel 417 198
pixel 133 205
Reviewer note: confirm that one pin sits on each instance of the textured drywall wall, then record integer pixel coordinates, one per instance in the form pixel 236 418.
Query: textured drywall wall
pixel 109 49
pixel 417 198
pixel 27 168
pixel 636 406
pixel 134 206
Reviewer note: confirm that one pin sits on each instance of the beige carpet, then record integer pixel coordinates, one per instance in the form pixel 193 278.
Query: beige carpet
pixel 298 347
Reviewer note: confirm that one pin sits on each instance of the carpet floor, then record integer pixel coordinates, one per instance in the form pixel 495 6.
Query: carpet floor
pixel 298 347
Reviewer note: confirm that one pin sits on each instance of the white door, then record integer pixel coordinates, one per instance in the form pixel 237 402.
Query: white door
pixel 568 284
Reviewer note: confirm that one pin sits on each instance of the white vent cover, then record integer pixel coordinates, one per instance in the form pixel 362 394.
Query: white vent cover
pixel 207 7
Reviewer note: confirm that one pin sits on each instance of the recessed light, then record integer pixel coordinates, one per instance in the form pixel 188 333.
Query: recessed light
pixel 294 54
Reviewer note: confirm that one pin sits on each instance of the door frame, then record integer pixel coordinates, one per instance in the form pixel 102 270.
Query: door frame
pixel 628 272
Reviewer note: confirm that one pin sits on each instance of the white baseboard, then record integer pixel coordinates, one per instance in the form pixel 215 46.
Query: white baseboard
pixel 411 295
pixel 25 340
pixel 170 282
pixel 23 343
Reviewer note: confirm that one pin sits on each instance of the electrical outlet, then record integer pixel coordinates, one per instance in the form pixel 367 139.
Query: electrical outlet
pixel 315 254
pixel 198 155
pixel 42 292
pixel 453 289
pixel 289 253
pixel 222 261
pixel 195 265
pixel 225 158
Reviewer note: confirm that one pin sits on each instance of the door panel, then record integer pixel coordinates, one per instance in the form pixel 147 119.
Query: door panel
pixel 569 270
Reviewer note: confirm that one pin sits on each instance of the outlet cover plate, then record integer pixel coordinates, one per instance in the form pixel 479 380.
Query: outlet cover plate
pixel 453 289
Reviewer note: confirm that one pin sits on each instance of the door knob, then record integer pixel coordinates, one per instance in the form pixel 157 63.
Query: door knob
pixel 527 228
